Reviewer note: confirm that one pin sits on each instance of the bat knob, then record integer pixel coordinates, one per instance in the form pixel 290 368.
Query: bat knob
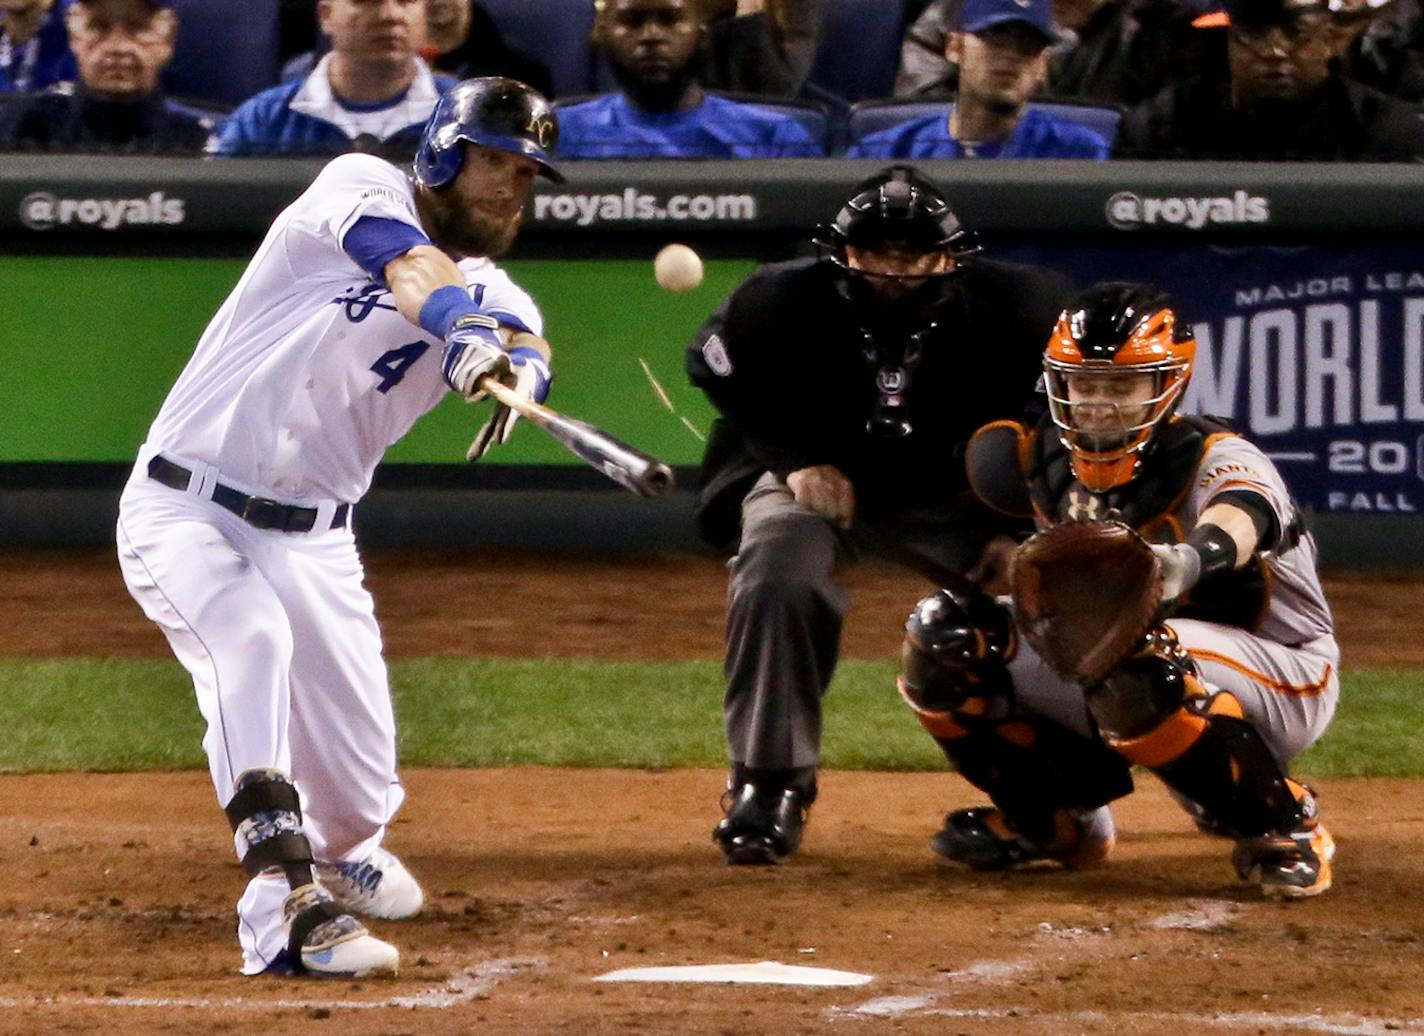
pixel 657 481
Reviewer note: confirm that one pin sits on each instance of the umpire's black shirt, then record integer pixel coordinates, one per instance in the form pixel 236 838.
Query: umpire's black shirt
pixel 783 360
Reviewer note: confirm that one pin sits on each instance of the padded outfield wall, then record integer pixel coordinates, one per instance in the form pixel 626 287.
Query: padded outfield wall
pixel 1305 284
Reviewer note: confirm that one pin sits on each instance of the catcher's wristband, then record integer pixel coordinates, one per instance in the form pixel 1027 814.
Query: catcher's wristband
pixel 1215 547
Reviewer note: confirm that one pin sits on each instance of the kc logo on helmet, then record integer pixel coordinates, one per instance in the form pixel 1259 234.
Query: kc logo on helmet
pixel 42 210
pixel 542 128
pixel 1126 210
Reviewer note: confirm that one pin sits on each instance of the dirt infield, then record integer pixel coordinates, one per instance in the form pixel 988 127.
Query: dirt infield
pixel 116 911
pixel 649 606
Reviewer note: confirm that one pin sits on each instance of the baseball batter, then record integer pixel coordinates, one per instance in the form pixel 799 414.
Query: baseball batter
pixel 371 297
pixel 1240 679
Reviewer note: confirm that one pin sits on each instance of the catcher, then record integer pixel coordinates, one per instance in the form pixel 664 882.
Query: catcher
pixel 1167 615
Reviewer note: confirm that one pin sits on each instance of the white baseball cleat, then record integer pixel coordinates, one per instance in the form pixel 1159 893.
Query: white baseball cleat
pixel 378 886
pixel 334 944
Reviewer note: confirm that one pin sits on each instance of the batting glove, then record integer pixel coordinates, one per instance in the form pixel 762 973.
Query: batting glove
pixel 531 380
pixel 1181 567
pixel 472 350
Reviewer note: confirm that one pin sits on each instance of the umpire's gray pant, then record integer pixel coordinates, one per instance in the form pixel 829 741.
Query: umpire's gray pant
pixel 785 611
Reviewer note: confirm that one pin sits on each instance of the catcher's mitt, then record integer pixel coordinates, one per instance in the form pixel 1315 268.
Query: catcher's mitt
pixel 1085 594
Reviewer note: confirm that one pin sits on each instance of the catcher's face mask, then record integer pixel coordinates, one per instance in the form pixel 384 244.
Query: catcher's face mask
pixel 1116 369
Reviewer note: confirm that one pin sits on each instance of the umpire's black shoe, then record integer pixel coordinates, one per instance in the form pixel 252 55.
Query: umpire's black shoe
pixel 762 825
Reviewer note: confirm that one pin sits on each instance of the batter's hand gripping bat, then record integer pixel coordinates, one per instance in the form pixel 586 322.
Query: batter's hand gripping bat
pixel 629 467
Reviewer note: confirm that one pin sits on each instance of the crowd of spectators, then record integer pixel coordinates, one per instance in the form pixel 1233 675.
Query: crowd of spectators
pixel 1085 79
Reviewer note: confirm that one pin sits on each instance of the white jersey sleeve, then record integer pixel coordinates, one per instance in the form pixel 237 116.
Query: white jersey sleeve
pixel 1231 463
pixel 351 187
pixel 308 372
pixel 494 292
pixel 1296 610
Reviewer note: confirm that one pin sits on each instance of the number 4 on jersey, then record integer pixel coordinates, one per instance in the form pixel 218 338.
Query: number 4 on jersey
pixel 393 364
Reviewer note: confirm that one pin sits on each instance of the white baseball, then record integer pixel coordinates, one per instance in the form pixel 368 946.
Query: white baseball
pixel 678 268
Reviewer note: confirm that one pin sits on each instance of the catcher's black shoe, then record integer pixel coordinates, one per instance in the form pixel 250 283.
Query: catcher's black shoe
pixel 983 840
pixel 763 825
pixel 1290 865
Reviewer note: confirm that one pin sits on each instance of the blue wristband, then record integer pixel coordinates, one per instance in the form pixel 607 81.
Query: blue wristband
pixel 445 306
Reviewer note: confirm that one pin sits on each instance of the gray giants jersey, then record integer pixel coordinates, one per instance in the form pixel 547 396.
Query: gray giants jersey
pixel 307 373
pixel 1296 613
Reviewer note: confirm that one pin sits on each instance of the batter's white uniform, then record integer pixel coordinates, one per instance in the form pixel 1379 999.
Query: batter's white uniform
pixel 299 384
pixel 1285 672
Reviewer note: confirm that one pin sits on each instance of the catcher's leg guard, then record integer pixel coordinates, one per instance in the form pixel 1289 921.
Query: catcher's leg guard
pixel 323 939
pixel 1050 788
pixel 1047 782
pixel 954 656
pixel 1156 713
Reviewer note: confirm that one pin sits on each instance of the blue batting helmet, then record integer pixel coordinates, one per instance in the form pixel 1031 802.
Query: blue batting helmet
pixel 491 112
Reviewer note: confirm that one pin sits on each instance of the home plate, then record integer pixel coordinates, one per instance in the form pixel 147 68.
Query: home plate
pixel 767 972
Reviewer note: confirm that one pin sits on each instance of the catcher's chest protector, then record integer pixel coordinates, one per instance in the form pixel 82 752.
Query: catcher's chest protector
pixel 1239 597
pixel 1162 479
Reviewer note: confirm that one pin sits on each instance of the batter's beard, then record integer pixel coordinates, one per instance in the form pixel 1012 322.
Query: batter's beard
pixel 473 234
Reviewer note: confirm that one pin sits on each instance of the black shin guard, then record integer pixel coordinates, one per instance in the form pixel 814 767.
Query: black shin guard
pixel 1231 773
pixel 1157 713
pixel 1034 768
pixel 266 819
pixel 954 674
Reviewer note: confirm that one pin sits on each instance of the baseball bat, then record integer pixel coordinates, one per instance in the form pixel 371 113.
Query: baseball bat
pixel 629 467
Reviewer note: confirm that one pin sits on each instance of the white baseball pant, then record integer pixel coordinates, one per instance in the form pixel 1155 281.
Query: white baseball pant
pixel 279 635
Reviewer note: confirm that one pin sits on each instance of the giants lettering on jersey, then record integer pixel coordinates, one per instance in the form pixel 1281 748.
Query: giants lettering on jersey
pixel 1222 470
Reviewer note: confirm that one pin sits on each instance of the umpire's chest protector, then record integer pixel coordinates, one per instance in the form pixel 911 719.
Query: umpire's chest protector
pixel 977 359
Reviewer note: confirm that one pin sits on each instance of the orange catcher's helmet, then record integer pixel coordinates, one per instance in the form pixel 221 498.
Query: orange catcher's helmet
pixel 1116 368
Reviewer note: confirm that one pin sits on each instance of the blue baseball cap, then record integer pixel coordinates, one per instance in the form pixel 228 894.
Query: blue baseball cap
pixel 978 15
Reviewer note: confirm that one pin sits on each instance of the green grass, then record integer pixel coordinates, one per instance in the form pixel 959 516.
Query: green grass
pixel 93 714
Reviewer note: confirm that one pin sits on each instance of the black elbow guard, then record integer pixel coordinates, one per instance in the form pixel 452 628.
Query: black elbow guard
pixel 1263 515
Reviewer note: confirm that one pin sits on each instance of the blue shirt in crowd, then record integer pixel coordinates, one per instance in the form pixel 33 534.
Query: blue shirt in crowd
pixel 306 117
pixel 611 127
pixel 42 61
pixel 1039 134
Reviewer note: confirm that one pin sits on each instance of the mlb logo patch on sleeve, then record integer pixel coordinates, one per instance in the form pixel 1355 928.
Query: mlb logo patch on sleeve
pixel 715 353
